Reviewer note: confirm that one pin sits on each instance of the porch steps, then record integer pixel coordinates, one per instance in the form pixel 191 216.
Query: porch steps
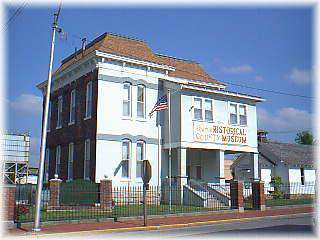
pixel 212 198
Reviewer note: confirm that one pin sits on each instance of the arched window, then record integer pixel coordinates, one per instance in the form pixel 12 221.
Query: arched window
pixel 72 115
pixel 140 156
pixel 126 156
pixel 141 101
pixel 126 96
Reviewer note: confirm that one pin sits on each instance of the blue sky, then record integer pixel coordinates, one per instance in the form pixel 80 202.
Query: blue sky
pixel 268 48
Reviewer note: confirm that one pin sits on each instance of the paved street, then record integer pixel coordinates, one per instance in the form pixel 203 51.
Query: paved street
pixel 293 225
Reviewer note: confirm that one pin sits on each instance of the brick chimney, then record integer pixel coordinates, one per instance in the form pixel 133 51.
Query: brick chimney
pixel 262 135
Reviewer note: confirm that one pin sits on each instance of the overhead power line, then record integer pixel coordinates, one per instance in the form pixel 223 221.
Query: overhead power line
pixel 236 84
pixel 14 15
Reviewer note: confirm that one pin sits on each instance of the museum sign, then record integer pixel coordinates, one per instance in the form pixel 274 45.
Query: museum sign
pixel 219 133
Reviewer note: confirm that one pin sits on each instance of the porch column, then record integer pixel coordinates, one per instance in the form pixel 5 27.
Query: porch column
pixel 220 160
pixel 182 169
pixel 255 166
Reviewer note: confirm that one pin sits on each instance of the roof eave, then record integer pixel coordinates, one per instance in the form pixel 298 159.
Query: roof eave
pixel 223 92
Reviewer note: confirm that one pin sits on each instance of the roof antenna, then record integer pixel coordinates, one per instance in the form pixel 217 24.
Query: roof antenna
pixel 83 45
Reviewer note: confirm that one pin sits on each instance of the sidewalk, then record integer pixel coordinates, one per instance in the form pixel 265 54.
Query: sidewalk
pixel 167 221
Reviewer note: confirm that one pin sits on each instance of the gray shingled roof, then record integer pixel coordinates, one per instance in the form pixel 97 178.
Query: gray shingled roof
pixel 277 152
pixel 289 153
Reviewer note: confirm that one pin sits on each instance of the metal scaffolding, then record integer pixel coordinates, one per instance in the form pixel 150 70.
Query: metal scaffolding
pixel 15 157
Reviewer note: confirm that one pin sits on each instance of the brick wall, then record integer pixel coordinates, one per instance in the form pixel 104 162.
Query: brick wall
pixel 9 197
pixel 76 133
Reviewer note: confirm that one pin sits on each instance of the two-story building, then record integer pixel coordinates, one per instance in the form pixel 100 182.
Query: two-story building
pixel 99 124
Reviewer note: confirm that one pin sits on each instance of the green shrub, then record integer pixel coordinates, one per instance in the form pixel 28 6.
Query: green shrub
pixel 277 182
pixel 79 192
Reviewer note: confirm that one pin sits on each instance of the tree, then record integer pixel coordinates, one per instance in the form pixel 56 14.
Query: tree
pixel 304 137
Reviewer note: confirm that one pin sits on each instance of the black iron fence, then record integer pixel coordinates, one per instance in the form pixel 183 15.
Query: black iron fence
pixel 247 195
pixel 84 203
pixel 289 193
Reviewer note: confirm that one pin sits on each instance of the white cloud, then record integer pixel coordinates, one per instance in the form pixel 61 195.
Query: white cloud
pixel 285 119
pixel 27 103
pixel 299 76
pixel 239 69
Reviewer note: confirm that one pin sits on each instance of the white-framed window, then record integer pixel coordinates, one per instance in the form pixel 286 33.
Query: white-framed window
pixel 59 117
pixel 49 117
pixel 89 100
pixel 72 115
pixel 208 110
pixel 197 110
pixel 70 161
pixel 126 156
pixel 86 165
pixel 140 156
pixel 233 110
pixel 46 164
pixel 238 114
pixel 126 98
pixel 58 160
pixel 243 114
pixel 141 112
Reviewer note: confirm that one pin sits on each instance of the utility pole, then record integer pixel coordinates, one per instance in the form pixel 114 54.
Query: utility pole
pixel 170 172
pixel 44 127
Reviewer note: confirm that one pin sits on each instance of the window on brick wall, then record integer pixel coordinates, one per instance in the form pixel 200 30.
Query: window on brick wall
pixel 59 117
pixel 46 165
pixel 89 100
pixel 49 117
pixel 72 115
pixel 70 161
pixel 58 160
pixel 87 159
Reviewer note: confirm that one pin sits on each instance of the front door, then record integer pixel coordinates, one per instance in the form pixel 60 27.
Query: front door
pixel 198 172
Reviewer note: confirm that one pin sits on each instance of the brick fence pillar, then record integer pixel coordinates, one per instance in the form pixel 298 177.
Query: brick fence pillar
pixel 258 196
pixel 55 192
pixel 9 198
pixel 236 194
pixel 105 193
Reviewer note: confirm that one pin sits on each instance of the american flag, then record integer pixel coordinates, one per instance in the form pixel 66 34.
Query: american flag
pixel 160 105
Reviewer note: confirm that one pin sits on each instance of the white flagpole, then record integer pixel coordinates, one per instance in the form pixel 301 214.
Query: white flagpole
pixel 169 120
pixel 159 151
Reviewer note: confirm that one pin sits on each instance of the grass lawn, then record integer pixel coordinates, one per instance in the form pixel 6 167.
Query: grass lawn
pixel 118 211
pixel 283 202
pixel 280 202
